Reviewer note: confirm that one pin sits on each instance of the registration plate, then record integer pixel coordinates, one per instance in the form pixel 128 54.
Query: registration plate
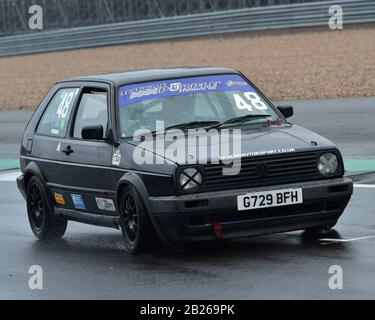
pixel 272 198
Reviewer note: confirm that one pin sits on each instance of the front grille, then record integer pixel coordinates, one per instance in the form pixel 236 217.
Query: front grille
pixel 264 170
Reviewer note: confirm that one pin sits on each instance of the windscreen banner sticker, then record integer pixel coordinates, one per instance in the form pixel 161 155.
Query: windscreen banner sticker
pixel 78 201
pixel 105 204
pixel 166 88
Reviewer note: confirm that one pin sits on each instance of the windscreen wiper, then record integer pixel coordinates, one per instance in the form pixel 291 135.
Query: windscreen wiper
pixel 192 124
pixel 242 119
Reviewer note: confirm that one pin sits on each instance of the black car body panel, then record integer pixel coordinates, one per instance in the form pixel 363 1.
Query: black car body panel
pixel 263 137
pixel 82 171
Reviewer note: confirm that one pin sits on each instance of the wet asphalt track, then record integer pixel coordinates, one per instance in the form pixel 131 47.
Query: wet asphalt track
pixel 90 262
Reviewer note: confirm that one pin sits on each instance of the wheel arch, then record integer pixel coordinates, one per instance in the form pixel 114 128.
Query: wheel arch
pixel 134 180
pixel 33 170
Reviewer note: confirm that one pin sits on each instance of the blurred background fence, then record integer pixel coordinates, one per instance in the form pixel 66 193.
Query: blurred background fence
pixel 71 24
pixel 60 14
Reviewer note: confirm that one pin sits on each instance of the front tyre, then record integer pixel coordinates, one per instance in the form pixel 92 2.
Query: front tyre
pixel 137 231
pixel 43 223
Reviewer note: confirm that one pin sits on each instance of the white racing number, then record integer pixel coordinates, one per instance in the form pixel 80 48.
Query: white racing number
pixel 249 101
pixel 64 106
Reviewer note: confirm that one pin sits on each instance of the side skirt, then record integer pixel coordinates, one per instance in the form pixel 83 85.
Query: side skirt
pixel 89 218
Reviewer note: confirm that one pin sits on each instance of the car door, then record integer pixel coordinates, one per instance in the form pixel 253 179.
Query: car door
pixel 86 173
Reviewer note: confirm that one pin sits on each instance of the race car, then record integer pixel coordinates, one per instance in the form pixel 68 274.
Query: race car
pixel 175 154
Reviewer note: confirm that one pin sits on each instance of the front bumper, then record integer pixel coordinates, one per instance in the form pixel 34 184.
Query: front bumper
pixel 196 216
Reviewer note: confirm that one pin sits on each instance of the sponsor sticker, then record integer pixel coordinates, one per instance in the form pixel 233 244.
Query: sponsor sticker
pixel 231 83
pixel 105 204
pixel 78 201
pixel 257 153
pixel 116 159
pixel 59 198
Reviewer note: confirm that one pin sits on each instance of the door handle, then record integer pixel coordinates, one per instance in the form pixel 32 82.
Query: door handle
pixel 68 150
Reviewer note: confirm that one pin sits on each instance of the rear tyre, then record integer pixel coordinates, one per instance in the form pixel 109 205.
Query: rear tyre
pixel 137 231
pixel 43 223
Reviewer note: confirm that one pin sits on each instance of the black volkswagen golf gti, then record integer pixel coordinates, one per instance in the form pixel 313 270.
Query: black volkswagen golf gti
pixel 102 150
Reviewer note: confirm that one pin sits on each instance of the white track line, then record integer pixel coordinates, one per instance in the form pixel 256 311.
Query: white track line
pixel 369 186
pixel 345 240
pixel 10 176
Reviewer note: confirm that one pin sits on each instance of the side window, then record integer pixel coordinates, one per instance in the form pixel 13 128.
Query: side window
pixel 54 121
pixel 92 110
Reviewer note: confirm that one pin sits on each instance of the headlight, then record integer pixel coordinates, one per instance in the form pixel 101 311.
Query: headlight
pixel 328 164
pixel 190 179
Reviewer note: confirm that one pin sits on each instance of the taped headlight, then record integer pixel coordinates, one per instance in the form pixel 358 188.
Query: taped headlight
pixel 190 179
pixel 328 164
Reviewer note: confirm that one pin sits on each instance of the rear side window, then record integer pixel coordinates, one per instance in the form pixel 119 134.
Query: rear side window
pixel 92 111
pixel 54 121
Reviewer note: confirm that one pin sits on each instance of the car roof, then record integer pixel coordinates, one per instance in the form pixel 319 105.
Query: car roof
pixel 142 75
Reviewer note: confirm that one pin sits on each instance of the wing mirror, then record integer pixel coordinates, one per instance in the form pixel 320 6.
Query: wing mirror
pixel 286 111
pixel 92 132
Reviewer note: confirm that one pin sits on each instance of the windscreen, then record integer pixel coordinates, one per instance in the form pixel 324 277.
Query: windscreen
pixel 205 100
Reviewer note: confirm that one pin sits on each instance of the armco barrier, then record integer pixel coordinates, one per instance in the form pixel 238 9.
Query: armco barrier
pixel 260 18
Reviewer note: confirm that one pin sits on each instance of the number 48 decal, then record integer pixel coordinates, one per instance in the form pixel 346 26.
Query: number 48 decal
pixel 251 100
pixel 65 104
